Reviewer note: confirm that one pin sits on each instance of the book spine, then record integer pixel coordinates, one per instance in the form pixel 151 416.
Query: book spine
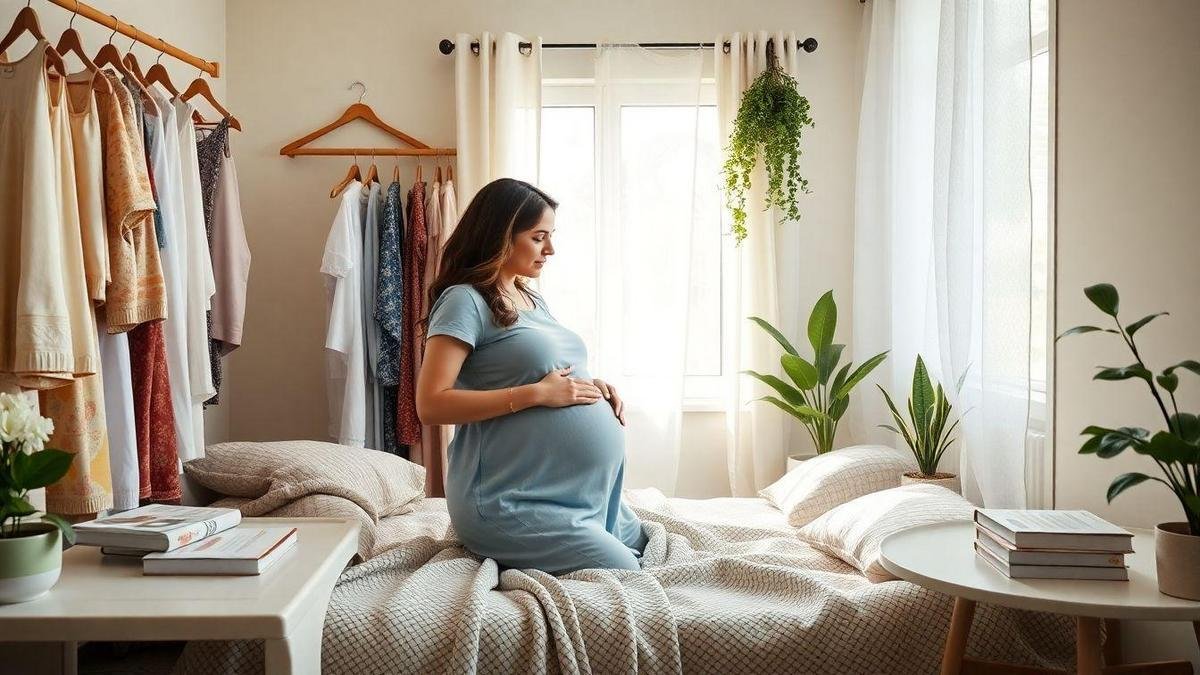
pixel 197 531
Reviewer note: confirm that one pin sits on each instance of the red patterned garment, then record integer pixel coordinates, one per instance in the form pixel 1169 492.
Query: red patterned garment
pixel 408 425
pixel 158 453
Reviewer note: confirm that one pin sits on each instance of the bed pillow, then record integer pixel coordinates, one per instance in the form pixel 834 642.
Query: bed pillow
pixel 834 478
pixel 318 506
pixel 276 473
pixel 854 530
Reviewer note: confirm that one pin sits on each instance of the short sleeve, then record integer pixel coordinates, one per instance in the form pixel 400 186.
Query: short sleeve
pixel 456 313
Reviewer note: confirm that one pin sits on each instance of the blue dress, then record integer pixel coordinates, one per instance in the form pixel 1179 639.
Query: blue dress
pixel 539 488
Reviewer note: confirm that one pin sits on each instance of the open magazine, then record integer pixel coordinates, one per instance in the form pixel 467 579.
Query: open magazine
pixel 156 527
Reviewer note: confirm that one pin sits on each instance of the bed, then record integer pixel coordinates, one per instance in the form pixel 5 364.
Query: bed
pixel 726 587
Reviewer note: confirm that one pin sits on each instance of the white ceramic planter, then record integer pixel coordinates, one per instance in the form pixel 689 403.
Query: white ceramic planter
pixel 30 563
pixel 795 461
pixel 1177 556
pixel 946 480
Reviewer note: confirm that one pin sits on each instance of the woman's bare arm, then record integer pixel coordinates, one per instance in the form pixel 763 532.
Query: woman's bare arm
pixel 438 402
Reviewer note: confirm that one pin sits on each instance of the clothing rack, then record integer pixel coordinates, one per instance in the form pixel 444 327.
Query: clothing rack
pixel 809 45
pixel 129 30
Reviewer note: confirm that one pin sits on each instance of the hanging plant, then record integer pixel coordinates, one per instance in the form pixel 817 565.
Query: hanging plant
pixel 769 124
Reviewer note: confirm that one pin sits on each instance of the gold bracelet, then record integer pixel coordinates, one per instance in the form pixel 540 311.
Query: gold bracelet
pixel 510 400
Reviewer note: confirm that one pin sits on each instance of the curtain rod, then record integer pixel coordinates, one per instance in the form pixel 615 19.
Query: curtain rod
pixel 129 30
pixel 809 45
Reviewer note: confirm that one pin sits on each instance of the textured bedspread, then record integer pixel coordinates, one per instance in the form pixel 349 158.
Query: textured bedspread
pixel 724 589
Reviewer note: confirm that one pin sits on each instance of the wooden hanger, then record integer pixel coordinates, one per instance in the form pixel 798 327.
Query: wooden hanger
pixel 449 171
pixel 27 22
pixel 158 74
pixel 351 175
pixel 396 172
pixel 109 55
pixel 372 175
pixel 356 111
pixel 199 87
pixel 418 178
pixel 131 62
pixel 69 42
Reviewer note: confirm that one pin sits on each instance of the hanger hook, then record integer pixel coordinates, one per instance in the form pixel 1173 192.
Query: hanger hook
pixel 116 25
pixel 134 41
pixel 74 13
pixel 364 89
pixel 161 47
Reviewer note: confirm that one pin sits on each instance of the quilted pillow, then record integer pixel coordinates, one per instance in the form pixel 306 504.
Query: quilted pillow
pixel 855 530
pixel 277 473
pixel 834 478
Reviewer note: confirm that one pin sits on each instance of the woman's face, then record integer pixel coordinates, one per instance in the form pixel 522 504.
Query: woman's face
pixel 532 248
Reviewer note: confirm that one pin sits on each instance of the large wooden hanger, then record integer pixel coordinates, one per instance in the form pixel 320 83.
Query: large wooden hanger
pixel 361 111
pixel 199 87
pixel 27 22
pixel 109 55
pixel 69 42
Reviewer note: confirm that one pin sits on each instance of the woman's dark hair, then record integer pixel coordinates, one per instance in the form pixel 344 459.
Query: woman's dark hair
pixel 483 239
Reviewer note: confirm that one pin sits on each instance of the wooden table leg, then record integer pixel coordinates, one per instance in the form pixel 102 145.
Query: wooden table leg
pixel 956 637
pixel 1088 659
pixel 1112 642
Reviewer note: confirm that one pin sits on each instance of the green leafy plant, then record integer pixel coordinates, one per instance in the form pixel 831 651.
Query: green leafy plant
pixel 816 395
pixel 770 121
pixel 1175 450
pixel 26 464
pixel 925 430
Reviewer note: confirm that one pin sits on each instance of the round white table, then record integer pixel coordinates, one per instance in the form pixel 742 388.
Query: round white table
pixel 941 557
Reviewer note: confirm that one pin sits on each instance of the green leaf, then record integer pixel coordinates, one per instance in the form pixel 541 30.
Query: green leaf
pixel 803 373
pixel 1137 325
pixel 18 506
pixel 1191 365
pixel 1104 297
pixel 787 391
pixel 1091 445
pixel 1124 373
pixel 802 412
pixel 1193 505
pixel 1187 426
pixel 822 322
pixel 40 468
pixel 68 532
pixel 1116 441
pixel 838 407
pixel 1168 381
pixel 827 360
pixel 859 373
pixel 1126 481
pixel 922 394
pixel 1167 447
pixel 1079 330
pixel 774 332
pixel 1093 430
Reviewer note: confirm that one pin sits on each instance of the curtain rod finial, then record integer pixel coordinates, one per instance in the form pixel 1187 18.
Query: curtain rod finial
pixel 445 46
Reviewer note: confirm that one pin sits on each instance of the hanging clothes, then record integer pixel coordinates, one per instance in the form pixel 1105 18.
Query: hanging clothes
pixel 372 206
pixel 345 361
pixel 199 285
pixel 407 423
pixel 210 150
pixel 431 435
pixel 389 313
pixel 77 407
pixel 438 450
pixel 231 264
pixel 37 348
pixel 168 181
pixel 89 181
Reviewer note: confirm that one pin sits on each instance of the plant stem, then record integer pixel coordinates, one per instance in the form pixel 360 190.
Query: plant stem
pixel 1150 382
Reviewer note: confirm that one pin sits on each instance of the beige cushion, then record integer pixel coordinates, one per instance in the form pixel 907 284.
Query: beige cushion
pixel 276 473
pixel 855 530
pixel 834 478
pixel 318 506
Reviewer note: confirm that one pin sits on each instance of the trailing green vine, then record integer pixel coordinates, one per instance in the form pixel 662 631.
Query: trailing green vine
pixel 770 121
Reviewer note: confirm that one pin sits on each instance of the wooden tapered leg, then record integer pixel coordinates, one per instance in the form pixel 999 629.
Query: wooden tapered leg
pixel 1088 659
pixel 1112 642
pixel 956 637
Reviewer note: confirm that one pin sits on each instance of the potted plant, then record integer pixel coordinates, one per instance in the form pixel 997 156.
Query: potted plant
pixel 30 550
pixel 819 392
pixel 1176 449
pixel 927 430
pixel 770 121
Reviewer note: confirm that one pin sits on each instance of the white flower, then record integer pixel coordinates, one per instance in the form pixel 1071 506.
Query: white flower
pixel 37 433
pixel 14 417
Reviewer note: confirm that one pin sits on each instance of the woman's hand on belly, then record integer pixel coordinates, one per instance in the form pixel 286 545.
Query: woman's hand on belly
pixel 559 390
pixel 610 393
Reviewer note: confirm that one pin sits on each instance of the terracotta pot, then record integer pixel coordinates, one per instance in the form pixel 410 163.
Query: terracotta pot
pixel 946 480
pixel 29 562
pixel 1177 555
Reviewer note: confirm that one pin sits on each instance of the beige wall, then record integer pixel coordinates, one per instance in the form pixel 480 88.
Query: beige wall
pixel 290 63
pixel 1128 143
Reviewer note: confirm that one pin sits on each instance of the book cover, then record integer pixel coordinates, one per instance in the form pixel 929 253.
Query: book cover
pixel 1016 556
pixel 242 551
pixel 1051 529
pixel 1052 571
pixel 156 527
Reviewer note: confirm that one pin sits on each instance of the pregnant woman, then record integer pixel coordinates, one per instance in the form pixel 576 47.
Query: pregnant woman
pixel 538 457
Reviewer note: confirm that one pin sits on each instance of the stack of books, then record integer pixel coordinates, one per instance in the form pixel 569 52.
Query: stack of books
pixel 1046 544
pixel 188 540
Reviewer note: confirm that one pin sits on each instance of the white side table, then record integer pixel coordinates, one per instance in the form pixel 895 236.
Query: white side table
pixel 942 558
pixel 107 598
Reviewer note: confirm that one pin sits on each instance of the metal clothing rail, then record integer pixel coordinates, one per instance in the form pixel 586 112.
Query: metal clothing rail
pixel 809 45
pixel 129 30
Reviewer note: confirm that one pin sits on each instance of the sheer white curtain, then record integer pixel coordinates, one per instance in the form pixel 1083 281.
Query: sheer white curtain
pixel 943 230
pixel 755 433
pixel 622 278
pixel 498 108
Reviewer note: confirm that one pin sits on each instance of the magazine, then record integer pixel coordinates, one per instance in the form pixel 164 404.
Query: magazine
pixel 242 550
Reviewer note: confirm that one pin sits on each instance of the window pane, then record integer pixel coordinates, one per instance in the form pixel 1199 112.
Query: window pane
pixel 1039 175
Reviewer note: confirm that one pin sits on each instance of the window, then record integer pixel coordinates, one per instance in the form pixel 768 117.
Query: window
pixel 1039 182
pixel 635 164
